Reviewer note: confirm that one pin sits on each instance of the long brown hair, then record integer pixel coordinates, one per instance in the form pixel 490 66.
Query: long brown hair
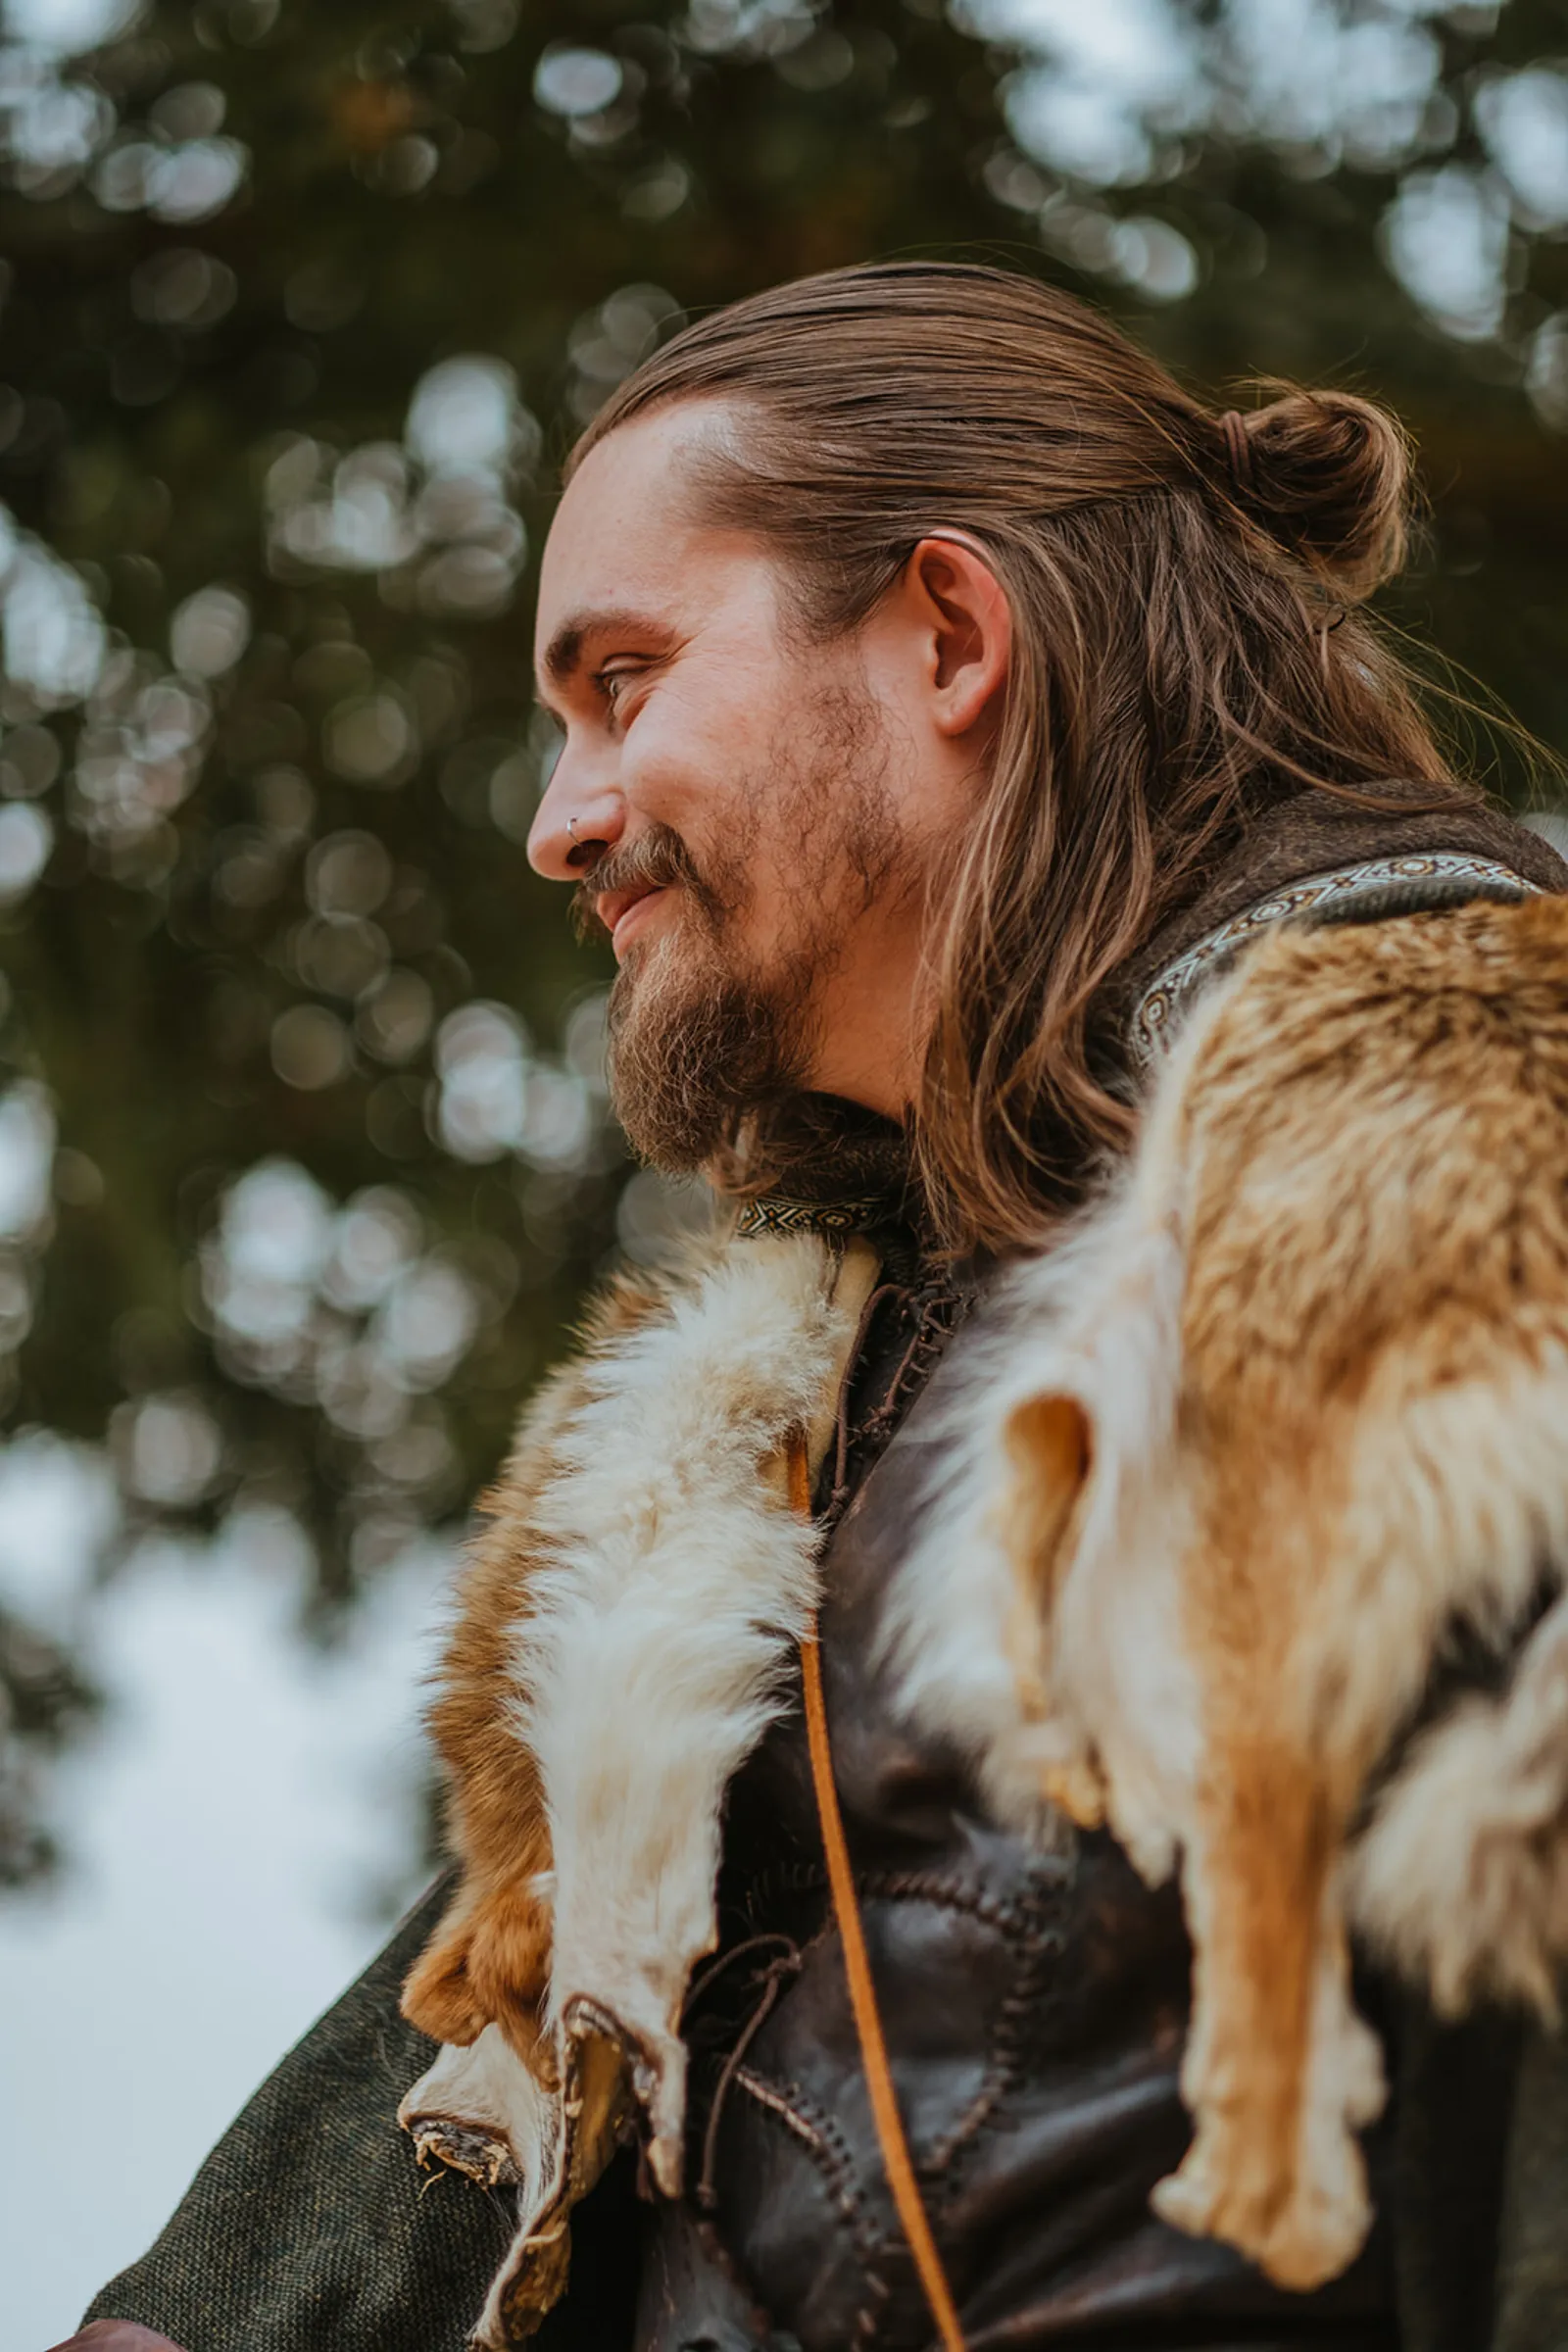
pixel 1186 651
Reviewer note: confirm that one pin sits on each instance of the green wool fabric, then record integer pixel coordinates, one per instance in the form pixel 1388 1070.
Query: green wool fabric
pixel 311 2229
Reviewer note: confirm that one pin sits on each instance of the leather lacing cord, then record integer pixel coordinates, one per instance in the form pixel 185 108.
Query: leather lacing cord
pixel 884 2114
pixel 785 1963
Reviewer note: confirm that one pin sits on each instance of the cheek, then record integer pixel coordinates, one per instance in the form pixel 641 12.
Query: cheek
pixel 674 766
pixel 696 760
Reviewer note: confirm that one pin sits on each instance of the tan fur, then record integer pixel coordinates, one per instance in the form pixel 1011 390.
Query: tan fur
pixel 489 1961
pixel 1361 1155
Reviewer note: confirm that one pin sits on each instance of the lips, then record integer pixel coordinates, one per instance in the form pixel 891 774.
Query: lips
pixel 618 910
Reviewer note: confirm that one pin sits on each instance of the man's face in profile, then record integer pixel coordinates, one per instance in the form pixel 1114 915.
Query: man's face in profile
pixel 732 798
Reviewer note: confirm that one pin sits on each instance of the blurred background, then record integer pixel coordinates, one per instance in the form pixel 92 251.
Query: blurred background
pixel 304 1154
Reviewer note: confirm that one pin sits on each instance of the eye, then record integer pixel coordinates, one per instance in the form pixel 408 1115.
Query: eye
pixel 609 683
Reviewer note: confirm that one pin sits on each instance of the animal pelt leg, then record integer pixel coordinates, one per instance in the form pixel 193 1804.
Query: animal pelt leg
pixel 623 1643
pixel 479 2110
pixel 1279 2071
pixel 488 1962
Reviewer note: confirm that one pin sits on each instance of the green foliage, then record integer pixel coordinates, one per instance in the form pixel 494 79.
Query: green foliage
pixel 304 1159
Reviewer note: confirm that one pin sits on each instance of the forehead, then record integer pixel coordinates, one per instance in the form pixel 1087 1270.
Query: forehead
pixel 626 534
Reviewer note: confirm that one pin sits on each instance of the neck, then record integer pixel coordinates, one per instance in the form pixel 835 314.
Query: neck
pixel 873 1026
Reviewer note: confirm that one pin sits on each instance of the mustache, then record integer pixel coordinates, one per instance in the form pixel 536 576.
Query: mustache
pixel 657 859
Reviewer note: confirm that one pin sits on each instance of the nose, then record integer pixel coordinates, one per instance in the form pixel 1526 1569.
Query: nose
pixel 575 823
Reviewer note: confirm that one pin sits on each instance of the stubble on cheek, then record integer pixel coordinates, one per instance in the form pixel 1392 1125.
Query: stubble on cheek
pixel 703 1035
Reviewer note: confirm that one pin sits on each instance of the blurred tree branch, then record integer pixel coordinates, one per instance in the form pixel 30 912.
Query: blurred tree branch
pixel 308 1158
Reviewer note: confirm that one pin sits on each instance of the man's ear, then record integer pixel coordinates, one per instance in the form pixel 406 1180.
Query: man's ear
pixel 962 605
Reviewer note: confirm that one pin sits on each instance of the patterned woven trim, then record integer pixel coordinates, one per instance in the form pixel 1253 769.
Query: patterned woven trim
pixel 775 1214
pixel 1348 889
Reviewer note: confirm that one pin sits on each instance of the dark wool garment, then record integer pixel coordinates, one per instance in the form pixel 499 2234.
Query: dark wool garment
pixel 311 2229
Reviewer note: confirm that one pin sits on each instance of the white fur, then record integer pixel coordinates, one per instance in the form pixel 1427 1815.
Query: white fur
pixel 654 1654
pixel 1095 1319
pixel 1463 1877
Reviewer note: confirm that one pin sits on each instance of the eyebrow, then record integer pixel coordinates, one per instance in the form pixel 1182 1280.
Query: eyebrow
pixel 562 656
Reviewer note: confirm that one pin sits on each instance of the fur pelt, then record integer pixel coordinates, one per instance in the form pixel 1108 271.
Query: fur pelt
pixel 620 1646
pixel 1288 1409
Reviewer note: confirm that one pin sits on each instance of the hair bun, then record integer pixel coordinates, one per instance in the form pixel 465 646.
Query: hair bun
pixel 1328 475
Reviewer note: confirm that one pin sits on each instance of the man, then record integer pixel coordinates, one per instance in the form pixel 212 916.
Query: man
pixel 944 690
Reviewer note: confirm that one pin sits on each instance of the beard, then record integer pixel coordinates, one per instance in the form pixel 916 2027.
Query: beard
pixel 706 1042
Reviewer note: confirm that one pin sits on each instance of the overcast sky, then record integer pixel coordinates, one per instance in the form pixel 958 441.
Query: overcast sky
pixel 229 1831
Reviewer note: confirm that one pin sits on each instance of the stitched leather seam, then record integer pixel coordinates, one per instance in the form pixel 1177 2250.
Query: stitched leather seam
pixel 1005 2064
pixel 826 2143
pixel 1016 1923
pixel 1016 1918
pixel 937 1308
pixel 1022 1924
pixel 766 2096
pixel 1001 2070
pixel 820 2135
